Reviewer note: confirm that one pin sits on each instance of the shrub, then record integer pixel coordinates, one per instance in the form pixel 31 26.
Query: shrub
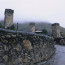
pixel 0 25
pixel 44 31
pixel 12 27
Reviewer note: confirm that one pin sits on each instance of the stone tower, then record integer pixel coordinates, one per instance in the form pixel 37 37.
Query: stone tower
pixel 56 30
pixel 32 27
pixel 8 20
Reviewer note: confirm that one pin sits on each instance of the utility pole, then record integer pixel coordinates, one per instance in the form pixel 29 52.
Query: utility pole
pixel 17 26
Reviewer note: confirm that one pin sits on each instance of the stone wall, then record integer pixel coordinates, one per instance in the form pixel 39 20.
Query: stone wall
pixel 60 41
pixel 23 48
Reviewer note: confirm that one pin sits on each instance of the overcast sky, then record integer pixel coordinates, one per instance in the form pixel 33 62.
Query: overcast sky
pixel 35 10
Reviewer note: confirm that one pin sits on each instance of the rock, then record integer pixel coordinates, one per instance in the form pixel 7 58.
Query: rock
pixel 3 36
pixel 27 44
pixel 20 60
pixel 62 41
pixel 19 35
pixel 4 41
pixel 5 58
pixel 18 47
pixel 5 48
pixel 9 33
pixel 25 60
pixel 8 36
pixel 13 36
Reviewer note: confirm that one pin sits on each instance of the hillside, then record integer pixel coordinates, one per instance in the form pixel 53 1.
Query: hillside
pixel 39 26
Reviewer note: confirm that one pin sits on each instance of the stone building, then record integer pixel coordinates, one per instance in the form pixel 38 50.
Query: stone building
pixel 8 19
pixel 56 30
pixel 32 27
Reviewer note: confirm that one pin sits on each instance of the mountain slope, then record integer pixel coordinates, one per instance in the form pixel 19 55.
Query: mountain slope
pixel 39 26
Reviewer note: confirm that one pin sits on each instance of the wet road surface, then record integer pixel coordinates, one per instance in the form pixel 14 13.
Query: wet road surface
pixel 59 57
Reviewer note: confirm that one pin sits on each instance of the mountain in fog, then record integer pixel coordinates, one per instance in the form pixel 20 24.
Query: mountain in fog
pixel 39 26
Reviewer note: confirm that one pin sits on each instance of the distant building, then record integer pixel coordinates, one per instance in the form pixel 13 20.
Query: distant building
pixel 29 28
pixel 8 19
pixel 39 32
pixel 56 30
pixel 32 27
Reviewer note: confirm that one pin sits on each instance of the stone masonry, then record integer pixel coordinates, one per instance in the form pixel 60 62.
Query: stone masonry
pixel 21 48
pixel 32 27
pixel 56 30
pixel 8 19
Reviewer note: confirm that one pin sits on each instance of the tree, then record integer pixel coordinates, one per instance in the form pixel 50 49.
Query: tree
pixel 12 27
pixel 44 31
pixel 0 25
pixel 63 34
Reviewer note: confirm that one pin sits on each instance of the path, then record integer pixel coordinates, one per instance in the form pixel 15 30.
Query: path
pixel 59 56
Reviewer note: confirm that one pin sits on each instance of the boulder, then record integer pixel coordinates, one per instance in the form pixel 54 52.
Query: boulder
pixel 27 44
